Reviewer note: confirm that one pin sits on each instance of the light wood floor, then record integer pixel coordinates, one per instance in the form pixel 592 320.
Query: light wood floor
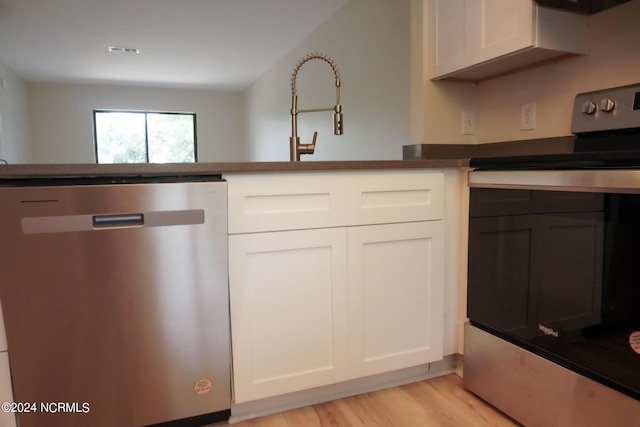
pixel 438 402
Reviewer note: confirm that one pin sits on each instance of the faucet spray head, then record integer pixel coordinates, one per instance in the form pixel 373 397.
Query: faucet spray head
pixel 337 115
pixel 337 121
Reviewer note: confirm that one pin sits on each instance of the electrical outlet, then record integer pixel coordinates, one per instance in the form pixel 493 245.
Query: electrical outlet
pixel 528 116
pixel 468 122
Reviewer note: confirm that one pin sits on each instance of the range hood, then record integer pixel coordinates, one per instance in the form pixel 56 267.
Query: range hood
pixel 581 6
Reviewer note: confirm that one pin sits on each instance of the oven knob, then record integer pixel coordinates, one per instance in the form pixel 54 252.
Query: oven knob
pixel 589 107
pixel 607 105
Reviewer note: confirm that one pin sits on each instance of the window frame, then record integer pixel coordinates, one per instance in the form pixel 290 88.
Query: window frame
pixel 146 131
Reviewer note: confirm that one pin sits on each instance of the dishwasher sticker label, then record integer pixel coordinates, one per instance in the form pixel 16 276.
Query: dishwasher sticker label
pixel 203 386
pixel 634 341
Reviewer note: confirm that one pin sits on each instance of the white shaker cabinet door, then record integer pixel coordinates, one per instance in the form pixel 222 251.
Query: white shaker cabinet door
pixel 448 37
pixel 396 275
pixel 288 300
pixel 500 27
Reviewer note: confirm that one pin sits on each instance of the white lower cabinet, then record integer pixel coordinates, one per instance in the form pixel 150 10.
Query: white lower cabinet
pixel 395 296
pixel 317 307
pixel 324 305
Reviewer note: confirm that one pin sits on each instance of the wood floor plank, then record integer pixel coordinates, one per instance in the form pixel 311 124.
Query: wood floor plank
pixel 273 420
pixel 488 414
pixel 401 408
pixel 437 402
pixel 307 416
pixel 453 405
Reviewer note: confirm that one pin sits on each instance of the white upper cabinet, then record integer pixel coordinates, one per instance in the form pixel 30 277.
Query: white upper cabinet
pixel 478 39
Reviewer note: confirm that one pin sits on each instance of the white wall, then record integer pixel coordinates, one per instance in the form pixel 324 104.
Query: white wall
pixel 14 125
pixel 61 118
pixel 369 41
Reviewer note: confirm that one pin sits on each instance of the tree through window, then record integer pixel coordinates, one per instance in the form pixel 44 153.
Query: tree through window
pixel 144 137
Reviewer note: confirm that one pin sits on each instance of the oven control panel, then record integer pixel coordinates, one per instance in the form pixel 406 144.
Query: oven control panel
pixel 606 110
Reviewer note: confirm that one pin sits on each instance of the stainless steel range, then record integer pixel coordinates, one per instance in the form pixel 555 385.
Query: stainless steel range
pixel 553 278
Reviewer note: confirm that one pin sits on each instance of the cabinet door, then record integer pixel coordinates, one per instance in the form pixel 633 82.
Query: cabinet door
pixel 448 37
pixel 499 27
pixel 288 300
pixel 396 275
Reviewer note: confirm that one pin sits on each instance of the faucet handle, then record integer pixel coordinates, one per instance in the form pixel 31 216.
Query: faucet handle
pixel 308 148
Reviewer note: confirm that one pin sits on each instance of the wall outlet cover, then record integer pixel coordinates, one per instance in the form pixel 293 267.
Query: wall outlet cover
pixel 468 122
pixel 528 116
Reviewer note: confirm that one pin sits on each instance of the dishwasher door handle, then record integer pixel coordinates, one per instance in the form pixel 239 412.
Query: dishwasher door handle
pixel 105 222
pixel 123 220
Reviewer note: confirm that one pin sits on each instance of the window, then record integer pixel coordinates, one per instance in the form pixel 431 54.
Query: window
pixel 144 137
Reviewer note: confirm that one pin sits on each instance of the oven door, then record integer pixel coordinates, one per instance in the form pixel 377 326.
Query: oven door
pixel 553 267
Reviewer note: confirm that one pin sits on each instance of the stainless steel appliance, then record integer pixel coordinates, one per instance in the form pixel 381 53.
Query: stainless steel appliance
pixel 115 300
pixel 553 277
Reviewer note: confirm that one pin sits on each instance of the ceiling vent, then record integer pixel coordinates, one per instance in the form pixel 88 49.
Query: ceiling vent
pixel 117 49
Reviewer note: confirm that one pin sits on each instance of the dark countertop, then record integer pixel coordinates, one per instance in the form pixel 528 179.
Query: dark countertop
pixel 418 156
pixel 181 169
pixel 541 146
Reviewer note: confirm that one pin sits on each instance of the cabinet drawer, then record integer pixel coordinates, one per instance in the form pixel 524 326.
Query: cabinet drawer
pixel 285 202
pixel 380 198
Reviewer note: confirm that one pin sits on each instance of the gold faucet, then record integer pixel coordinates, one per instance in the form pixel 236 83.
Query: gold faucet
pixel 295 148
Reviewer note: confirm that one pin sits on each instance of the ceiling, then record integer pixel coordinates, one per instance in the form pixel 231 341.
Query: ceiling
pixel 212 44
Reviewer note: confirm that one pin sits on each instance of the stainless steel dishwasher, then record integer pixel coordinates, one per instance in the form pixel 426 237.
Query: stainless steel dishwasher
pixel 115 300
